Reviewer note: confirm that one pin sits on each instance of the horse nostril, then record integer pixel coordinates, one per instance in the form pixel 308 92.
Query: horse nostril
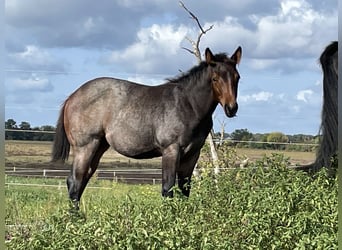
pixel 231 109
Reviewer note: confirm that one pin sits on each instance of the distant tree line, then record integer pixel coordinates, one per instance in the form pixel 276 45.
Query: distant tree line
pixel 239 138
pixel 23 131
pixel 274 140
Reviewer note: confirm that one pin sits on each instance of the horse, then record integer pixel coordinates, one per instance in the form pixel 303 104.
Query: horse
pixel 328 141
pixel 171 120
pixel 329 125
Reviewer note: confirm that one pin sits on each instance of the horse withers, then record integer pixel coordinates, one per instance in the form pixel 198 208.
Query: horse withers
pixel 171 120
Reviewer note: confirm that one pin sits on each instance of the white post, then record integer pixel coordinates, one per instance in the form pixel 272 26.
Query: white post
pixel 115 178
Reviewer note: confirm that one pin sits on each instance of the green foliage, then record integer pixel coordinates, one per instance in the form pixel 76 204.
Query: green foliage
pixel 263 206
pixel 277 137
pixel 33 134
pixel 241 135
pixel 10 124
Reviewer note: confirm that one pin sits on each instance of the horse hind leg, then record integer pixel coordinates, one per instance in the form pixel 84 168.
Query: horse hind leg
pixel 96 159
pixel 85 159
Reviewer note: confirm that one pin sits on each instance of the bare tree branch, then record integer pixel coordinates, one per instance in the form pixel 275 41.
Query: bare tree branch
pixel 192 16
pixel 196 50
pixel 189 50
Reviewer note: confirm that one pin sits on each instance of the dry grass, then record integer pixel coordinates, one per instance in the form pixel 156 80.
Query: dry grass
pixel 296 157
pixel 29 152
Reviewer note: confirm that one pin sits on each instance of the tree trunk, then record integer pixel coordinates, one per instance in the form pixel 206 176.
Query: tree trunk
pixel 213 152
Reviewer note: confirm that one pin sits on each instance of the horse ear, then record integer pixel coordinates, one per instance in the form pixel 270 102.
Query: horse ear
pixel 237 55
pixel 208 56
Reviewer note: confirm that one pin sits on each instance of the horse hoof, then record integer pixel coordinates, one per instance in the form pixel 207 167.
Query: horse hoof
pixel 167 193
pixel 75 205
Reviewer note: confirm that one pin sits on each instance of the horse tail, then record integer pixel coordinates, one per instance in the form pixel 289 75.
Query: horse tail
pixel 61 145
pixel 329 124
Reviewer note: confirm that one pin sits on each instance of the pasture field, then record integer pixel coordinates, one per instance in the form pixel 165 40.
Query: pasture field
pixel 27 152
pixel 34 153
pixel 264 206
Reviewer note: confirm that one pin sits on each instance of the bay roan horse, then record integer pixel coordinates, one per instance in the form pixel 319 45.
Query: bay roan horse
pixel 171 120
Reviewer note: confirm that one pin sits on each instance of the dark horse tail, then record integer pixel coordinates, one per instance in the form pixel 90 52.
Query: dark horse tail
pixel 329 125
pixel 61 145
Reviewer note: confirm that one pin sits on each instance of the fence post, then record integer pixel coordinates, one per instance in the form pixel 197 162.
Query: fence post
pixel 44 172
pixel 154 181
pixel 115 178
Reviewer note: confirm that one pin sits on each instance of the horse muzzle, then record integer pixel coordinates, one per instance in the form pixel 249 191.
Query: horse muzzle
pixel 230 110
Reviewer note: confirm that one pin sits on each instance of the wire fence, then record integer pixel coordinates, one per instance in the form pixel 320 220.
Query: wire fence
pixel 130 176
pixel 133 176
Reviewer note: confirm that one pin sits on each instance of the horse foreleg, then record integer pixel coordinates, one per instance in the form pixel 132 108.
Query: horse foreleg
pixel 170 162
pixel 184 173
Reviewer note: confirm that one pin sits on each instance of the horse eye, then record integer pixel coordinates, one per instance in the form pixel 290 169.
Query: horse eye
pixel 215 79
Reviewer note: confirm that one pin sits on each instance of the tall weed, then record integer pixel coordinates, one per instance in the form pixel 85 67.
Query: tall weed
pixel 263 206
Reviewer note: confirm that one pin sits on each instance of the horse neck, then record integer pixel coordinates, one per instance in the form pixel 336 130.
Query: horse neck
pixel 200 95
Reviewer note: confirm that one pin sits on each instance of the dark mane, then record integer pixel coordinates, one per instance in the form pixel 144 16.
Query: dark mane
pixel 196 72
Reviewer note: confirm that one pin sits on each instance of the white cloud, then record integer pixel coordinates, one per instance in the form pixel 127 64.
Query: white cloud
pixel 35 58
pixel 156 45
pixel 32 53
pixel 281 40
pixel 145 79
pixel 262 96
pixel 33 84
pixel 229 28
pixel 260 64
pixel 304 95
pixel 291 32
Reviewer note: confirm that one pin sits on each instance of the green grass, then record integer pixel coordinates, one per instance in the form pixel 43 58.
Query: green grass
pixel 266 206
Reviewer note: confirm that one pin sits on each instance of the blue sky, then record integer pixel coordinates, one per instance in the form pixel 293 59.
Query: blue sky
pixel 53 47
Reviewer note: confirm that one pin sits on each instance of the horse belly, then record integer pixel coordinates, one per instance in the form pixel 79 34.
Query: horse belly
pixel 133 143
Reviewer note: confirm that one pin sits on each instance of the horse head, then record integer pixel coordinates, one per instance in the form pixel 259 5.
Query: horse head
pixel 224 79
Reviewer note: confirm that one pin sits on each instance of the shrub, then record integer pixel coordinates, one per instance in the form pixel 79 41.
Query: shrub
pixel 264 206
